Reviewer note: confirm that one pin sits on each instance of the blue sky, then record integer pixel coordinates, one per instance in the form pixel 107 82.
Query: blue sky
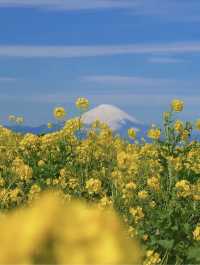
pixel 135 54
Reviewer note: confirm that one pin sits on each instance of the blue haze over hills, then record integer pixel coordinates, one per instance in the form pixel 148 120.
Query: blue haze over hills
pixel 118 120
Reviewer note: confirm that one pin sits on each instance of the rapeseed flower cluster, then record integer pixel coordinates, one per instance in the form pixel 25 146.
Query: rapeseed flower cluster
pixel 184 188
pixel 153 185
pixel 93 185
pixel 152 258
pixel 137 213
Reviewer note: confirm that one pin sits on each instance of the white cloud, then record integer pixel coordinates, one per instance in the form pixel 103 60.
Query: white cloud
pixel 99 50
pixel 69 4
pixel 170 10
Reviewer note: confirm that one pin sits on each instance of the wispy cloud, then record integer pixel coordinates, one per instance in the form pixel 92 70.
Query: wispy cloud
pixel 165 60
pixel 147 100
pixel 70 4
pixel 7 79
pixel 142 85
pixel 183 10
pixel 98 50
pixel 128 80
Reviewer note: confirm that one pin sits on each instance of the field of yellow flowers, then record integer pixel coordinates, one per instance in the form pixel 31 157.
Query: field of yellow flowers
pixel 100 199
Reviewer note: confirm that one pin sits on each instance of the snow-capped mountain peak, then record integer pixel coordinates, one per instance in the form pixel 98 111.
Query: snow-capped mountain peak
pixel 118 120
pixel 111 115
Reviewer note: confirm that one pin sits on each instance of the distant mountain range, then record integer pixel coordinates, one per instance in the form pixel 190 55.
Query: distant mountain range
pixel 35 130
pixel 118 120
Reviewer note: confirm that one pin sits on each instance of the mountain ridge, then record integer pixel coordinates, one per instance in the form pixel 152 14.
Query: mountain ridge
pixel 118 120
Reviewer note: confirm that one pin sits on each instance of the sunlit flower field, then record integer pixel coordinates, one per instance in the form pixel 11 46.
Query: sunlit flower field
pixel 88 196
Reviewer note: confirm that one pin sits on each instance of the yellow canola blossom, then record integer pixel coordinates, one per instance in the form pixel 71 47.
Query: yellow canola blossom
pixel 59 113
pixel 178 126
pixel 196 233
pixel 131 186
pixel 82 103
pixel 154 133
pixel 93 185
pixel 23 171
pixel 143 194
pixel 183 188
pixel 196 191
pixel 123 159
pixel 132 133
pixel 177 105
pixel 137 213
pixel 152 258
pixel 154 183
pixel 105 202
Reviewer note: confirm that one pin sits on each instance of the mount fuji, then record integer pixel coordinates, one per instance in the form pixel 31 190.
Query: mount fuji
pixel 118 120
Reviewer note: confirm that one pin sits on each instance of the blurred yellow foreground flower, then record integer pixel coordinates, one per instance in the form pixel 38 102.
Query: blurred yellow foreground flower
pixel 50 232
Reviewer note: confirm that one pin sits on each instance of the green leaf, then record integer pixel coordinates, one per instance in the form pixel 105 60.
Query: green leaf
pixel 175 228
pixel 167 244
pixel 186 227
pixel 194 253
